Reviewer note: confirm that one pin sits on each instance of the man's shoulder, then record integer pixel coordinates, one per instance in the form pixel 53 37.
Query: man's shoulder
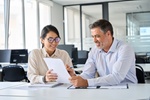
pixel 123 43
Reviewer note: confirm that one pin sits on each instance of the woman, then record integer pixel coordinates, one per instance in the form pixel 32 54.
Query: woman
pixel 38 71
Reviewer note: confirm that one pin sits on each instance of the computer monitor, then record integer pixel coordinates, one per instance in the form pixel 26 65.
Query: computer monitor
pixel 67 48
pixel 19 56
pixel 5 56
pixel 72 51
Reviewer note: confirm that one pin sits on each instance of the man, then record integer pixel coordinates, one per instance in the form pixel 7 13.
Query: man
pixel 112 59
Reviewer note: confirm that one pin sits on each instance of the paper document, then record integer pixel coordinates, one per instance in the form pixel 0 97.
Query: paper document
pixel 72 87
pixel 125 86
pixel 58 67
pixel 46 85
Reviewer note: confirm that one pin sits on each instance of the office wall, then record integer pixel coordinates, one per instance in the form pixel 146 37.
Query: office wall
pixel 57 18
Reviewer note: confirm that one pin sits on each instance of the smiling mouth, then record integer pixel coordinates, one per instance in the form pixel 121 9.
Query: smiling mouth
pixel 53 46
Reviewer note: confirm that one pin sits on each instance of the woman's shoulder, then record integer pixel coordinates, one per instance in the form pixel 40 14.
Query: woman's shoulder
pixel 35 51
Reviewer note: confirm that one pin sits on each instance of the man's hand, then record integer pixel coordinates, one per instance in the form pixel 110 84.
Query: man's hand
pixel 78 81
pixel 70 71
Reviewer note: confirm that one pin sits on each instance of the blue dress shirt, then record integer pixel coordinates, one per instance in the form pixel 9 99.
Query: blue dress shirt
pixel 117 66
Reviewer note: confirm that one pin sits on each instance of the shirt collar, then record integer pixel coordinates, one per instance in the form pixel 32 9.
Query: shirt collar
pixel 113 46
pixel 47 55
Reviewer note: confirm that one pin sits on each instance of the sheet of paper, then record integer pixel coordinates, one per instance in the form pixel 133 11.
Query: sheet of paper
pixel 51 84
pixel 40 85
pixel 72 87
pixel 58 67
pixel 125 86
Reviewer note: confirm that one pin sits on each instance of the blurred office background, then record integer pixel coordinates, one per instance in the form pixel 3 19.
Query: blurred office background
pixel 21 22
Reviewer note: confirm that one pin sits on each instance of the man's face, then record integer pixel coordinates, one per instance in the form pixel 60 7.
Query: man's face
pixel 101 40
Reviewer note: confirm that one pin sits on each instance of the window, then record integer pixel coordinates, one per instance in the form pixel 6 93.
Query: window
pixel 31 33
pixel 73 34
pixel 45 13
pixel 26 19
pixel 129 19
pixel 88 17
pixel 15 38
pixel 144 30
pixel 72 26
pixel 2 33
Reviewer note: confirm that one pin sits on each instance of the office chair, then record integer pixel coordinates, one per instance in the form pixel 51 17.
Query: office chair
pixel 140 60
pixel 140 74
pixel 13 73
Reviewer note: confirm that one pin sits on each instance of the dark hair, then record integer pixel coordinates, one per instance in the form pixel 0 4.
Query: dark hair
pixel 103 24
pixel 47 29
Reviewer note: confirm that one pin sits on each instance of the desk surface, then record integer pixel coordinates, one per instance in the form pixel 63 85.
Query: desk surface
pixel 135 92
pixel 5 85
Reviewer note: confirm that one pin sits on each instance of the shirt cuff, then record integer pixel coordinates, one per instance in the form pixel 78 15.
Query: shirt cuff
pixel 90 82
pixel 42 79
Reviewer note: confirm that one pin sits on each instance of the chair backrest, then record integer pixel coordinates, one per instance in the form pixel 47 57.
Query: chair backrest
pixel 13 73
pixel 140 74
pixel 140 60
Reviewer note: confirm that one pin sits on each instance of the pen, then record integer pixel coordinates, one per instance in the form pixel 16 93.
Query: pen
pixel 57 84
pixel 69 86
pixel 98 87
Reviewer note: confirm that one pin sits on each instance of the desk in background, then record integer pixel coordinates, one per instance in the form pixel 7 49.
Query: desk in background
pixel 79 67
pixel 135 92
pixel 146 68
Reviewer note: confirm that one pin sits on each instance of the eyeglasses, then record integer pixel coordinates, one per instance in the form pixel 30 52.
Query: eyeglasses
pixel 51 40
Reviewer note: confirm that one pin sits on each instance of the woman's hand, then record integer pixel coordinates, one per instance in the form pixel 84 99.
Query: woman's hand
pixel 50 76
pixel 70 71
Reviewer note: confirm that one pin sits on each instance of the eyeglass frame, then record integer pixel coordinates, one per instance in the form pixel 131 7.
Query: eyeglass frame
pixel 57 39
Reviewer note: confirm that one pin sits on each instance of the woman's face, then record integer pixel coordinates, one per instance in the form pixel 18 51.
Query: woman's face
pixel 50 42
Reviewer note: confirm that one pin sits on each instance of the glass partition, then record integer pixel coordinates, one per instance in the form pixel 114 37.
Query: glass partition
pixel 78 33
pixel 72 26
pixel 131 23
pixel 90 13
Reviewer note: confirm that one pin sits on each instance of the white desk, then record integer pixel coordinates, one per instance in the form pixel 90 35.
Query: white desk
pixel 5 85
pixel 135 92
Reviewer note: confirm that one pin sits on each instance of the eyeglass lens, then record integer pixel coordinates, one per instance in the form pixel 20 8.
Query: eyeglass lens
pixel 57 39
